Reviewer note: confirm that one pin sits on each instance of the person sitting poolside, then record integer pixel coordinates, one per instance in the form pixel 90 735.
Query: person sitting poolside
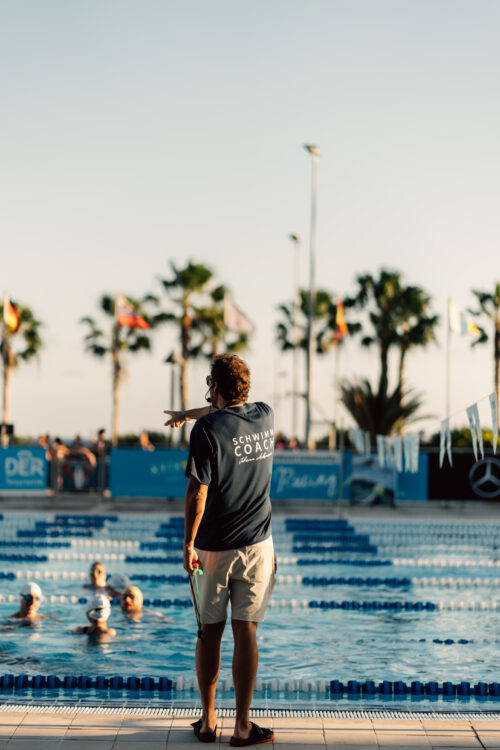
pixel 98 611
pixel 117 585
pixel 97 576
pixel 31 597
pixel 131 602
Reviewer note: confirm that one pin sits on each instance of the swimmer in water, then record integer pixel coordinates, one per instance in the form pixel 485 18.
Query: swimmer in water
pixel 131 602
pixel 97 577
pixel 117 585
pixel 31 598
pixel 98 611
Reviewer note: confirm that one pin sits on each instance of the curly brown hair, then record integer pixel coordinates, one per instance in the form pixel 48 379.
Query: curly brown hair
pixel 232 376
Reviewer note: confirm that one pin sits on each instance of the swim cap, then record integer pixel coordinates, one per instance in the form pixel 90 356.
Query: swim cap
pixel 31 589
pixel 119 582
pixel 98 607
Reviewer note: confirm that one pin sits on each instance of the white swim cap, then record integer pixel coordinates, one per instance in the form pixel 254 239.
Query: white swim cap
pixel 98 607
pixel 31 589
pixel 119 582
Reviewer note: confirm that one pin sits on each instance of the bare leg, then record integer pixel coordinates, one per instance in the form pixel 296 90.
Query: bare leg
pixel 207 670
pixel 245 661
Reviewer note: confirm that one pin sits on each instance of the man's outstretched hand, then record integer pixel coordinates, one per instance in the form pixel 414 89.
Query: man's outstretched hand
pixel 176 419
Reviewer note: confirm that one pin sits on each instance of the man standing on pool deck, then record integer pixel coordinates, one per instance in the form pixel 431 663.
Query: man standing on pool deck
pixel 228 535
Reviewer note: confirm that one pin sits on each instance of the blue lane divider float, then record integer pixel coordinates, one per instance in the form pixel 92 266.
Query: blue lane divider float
pixel 38 544
pixel 23 558
pixel 32 533
pixel 83 682
pixel 341 547
pixel 323 581
pixel 342 561
pixel 84 518
pixel 335 688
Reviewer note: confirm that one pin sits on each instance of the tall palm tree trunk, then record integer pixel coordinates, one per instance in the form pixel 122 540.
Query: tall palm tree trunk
pixel 185 334
pixel 4 439
pixel 497 356
pixel 116 372
pixel 384 380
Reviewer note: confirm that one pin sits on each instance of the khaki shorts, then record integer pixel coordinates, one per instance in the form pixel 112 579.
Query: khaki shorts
pixel 245 577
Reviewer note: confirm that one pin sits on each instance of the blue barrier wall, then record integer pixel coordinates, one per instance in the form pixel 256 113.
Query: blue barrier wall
pixel 136 473
pixel 23 469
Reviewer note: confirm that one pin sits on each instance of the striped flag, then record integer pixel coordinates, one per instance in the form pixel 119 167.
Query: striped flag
pixel 340 323
pixel 10 315
pixel 459 322
pixel 126 314
pixel 235 320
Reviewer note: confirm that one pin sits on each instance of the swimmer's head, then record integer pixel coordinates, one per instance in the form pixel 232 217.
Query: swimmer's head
pixel 98 608
pixel 117 584
pixel 132 599
pixel 31 596
pixel 97 574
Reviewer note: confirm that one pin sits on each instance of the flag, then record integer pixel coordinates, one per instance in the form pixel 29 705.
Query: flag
pixel 475 429
pixel 10 315
pixel 459 322
pixel 127 315
pixel 340 323
pixel 235 320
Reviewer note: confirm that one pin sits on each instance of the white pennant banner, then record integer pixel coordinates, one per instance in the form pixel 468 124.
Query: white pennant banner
pixel 380 450
pixel 448 442
pixel 494 419
pixel 398 455
pixel 442 439
pixel 368 444
pixel 475 429
pixel 389 453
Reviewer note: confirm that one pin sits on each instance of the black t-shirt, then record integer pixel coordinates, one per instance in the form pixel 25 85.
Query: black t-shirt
pixel 231 451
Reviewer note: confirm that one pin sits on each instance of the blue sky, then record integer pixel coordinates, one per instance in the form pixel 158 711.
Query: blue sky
pixel 138 133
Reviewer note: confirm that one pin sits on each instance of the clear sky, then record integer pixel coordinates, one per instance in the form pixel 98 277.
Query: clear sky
pixel 137 133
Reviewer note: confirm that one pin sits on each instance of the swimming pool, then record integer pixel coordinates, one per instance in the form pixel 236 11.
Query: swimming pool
pixel 376 611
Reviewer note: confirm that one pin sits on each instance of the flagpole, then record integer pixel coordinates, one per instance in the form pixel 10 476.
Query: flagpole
pixel 448 361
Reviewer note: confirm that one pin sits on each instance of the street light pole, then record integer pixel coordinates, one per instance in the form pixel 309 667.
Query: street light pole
pixel 296 241
pixel 315 154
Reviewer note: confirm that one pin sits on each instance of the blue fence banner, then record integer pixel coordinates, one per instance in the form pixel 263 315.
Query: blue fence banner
pixel 296 476
pixel 137 473
pixel 23 469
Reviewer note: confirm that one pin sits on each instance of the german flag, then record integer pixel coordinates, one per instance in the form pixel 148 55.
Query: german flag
pixel 340 321
pixel 126 314
pixel 10 315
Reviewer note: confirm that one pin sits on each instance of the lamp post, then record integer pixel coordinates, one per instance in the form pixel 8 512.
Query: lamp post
pixel 315 154
pixel 296 243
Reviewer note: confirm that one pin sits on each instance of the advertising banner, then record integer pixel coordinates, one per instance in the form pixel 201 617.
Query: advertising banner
pixel 23 470
pixel 137 473
pixel 296 476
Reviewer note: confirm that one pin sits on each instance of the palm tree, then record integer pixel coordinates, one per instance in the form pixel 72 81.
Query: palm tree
pixel 379 413
pixel 290 336
pixel 418 326
pixel 115 341
pixel 209 323
pixel 489 306
pixel 17 346
pixel 183 288
pixel 399 317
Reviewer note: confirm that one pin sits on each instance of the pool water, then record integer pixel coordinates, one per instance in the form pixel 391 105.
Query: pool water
pixel 451 571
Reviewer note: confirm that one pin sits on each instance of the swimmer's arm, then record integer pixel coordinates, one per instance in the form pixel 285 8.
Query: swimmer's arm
pixel 80 631
pixel 196 498
pixel 177 420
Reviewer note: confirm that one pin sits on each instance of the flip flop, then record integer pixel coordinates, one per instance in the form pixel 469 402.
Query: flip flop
pixel 203 736
pixel 258 735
